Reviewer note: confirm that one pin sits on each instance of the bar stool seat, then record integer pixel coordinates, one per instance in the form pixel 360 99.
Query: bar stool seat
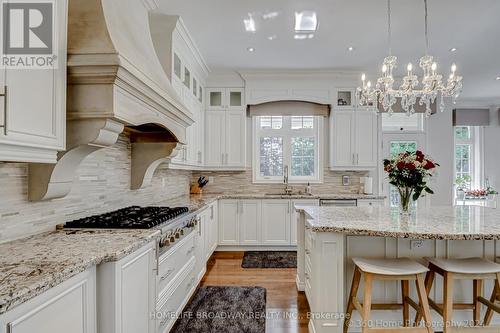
pixel 392 267
pixel 466 265
pixel 475 269
pixel 400 269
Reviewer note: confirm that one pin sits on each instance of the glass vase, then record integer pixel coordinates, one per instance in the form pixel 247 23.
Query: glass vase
pixel 405 200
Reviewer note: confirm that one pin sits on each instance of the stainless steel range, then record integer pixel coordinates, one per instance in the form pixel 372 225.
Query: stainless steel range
pixel 174 222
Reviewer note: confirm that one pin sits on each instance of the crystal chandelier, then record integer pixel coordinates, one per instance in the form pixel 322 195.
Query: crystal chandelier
pixel 410 91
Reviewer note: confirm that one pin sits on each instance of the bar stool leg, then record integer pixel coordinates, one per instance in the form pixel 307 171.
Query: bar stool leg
pixel 447 302
pixel 429 280
pixel 477 292
pixel 350 304
pixel 424 302
pixel 494 297
pixel 367 302
pixel 405 293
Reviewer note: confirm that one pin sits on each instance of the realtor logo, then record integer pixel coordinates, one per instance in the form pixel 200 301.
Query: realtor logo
pixel 28 34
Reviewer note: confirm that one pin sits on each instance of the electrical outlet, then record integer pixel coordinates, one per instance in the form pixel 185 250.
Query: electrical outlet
pixel 346 180
pixel 211 180
pixel 416 244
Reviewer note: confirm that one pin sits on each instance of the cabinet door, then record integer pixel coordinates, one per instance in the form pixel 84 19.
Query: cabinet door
pixel 295 216
pixel 68 307
pixel 207 229
pixel 366 138
pixel 228 222
pixel 216 99
pixel 215 227
pixel 235 139
pixel 276 222
pixel 138 280
pixel 215 138
pixel 235 99
pixel 250 217
pixel 35 112
pixel 341 138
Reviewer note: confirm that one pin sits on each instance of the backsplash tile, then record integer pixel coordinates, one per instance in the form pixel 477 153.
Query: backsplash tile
pixel 240 182
pixel 102 184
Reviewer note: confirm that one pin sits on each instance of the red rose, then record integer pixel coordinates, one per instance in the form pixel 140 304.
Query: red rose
pixel 401 165
pixel 420 156
pixel 429 165
pixel 410 166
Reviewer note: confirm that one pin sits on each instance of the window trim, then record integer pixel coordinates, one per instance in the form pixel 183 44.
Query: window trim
pixel 476 154
pixel 318 158
pixel 422 124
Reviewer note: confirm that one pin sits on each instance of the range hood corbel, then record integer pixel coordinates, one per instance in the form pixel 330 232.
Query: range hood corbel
pixel 49 181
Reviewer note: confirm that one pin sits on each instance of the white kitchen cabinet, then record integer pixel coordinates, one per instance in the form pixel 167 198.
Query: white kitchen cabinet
pixel 126 293
pixel 225 99
pixel 295 215
pixel 214 228
pixel 228 222
pixel 353 139
pixel 225 143
pixel 68 307
pixel 33 106
pixel 276 222
pixel 249 219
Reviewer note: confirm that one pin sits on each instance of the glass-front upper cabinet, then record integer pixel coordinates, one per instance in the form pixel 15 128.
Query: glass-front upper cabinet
pixel 225 99
pixel 177 66
pixel 187 77
pixel 345 98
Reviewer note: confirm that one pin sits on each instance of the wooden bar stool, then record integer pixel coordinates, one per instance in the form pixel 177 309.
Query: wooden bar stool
pixel 493 306
pixel 475 269
pixel 401 269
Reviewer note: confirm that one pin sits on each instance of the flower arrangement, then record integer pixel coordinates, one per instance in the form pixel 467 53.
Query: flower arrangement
pixel 410 172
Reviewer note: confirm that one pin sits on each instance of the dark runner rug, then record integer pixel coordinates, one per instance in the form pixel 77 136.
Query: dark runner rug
pixel 269 259
pixel 224 310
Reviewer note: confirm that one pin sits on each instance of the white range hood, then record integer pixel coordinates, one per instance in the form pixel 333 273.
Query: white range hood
pixel 115 81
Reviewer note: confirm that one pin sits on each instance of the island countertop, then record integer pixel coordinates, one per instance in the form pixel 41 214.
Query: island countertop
pixel 442 222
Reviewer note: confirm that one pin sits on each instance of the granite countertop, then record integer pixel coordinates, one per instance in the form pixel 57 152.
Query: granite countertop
pixel 32 265
pixel 441 222
pixel 348 196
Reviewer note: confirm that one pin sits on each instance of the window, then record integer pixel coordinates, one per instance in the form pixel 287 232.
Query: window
pixel 401 122
pixel 287 141
pixel 396 148
pixel 464 156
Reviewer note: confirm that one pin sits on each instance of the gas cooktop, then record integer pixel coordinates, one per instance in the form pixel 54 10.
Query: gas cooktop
pixel 133 217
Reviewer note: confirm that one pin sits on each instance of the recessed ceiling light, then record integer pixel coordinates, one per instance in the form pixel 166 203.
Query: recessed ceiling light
pixel 303 36
pixel 273 37
pixel 498 78
pixel 250 24
pixel 350 48
pixel 306 21
pixel 270 15
pixel 453 49
pixel 250 49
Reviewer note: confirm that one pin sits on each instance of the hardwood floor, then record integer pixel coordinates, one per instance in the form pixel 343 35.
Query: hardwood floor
pixel 286 307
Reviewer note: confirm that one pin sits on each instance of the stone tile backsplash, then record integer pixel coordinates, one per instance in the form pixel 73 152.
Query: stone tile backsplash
pixel 240 182
pixel 102 184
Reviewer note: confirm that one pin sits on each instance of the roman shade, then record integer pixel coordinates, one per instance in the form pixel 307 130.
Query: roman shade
pixel 399 109
pixel 289 108
pixel 471 117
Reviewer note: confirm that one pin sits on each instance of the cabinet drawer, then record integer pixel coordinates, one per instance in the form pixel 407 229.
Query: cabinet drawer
pixel 174 259
pixel 172 300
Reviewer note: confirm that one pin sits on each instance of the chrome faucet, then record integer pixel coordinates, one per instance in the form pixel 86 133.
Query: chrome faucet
pixel 288 189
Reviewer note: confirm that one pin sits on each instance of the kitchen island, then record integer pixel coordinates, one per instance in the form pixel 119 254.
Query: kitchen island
pixel 329 237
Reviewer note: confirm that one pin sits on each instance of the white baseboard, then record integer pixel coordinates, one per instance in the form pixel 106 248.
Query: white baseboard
pixel 239 248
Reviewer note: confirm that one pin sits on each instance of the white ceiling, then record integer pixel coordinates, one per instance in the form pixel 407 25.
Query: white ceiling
pixel 473 27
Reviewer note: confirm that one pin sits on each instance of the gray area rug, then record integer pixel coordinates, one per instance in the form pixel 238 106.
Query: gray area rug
pixel 224 310
pixel 269 259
